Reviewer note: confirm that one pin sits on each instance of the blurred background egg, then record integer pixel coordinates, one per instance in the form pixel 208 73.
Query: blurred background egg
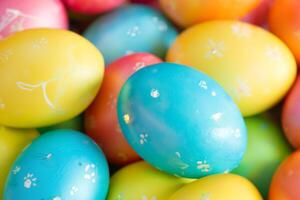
pixel 181 121
pixel 291 115
pixel 101 121
pixel 12 142
pixel 218 187
pixel 18 15
pixel 252 65
pixel 141 181
pixel 286 181
pixel 284 21
pixel 189 12
pixel 49 76
pixel 144 30
pixel 91 7
pixel 75 123
pixel 266 149
pixel 61 164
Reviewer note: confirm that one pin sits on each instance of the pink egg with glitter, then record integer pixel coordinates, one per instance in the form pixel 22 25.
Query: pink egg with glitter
pixel 18 15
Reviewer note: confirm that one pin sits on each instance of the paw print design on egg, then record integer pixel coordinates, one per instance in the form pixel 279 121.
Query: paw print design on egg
pixel 30 181
pixel 90 172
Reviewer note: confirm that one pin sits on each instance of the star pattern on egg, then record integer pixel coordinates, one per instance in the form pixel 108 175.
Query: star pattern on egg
pixel 203 166
pixel 215 49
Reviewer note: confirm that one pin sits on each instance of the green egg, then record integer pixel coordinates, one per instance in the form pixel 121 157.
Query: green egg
pixel 75 123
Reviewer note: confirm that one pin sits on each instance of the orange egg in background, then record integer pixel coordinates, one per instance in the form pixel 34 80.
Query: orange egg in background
pixel 189 12
pixel 284 21
pixel 291 115
pixel 286 181
pixel 101 122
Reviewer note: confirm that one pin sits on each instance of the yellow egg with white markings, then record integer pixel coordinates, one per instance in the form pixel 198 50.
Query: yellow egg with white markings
pixel 218 187
pixel 253 66
pixel 47 76
pixel 12 142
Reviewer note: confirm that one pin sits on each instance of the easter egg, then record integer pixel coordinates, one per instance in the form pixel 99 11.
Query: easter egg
pixel 75 123
pixel 286 181
pixel 141 181
pixel 190 12
pixel 218 187
pixel 252 65
pixel 49 76
pixel 92 6
pixel 291 115
pixel 284 21
pixel 101 121
pixel 181 121
pixel 18 15
pixel 12 141
pixel 61 164
pixel 259 15
pixel 266 149
pixel 144 30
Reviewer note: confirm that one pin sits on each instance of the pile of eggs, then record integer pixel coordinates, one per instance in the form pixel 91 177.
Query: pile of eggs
pixel 149 100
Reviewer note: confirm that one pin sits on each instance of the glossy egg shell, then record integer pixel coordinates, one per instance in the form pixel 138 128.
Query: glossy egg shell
pixel 291 115
pixel 284 21
pixel 144 30
pixel 218 187
pixel 255 67
pixel 49 76
pixel 12 142
pixel 18 15
pixel 61 164
pixel 286 180
pixel 101 121
pixel 91 7
pixel 145 182
pixel 190 12
pixel 265 139
pixel 181 121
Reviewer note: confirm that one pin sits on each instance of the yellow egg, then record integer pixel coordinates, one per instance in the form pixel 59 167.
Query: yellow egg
pixel 46 76
pixel 252 65
pixel 12 141
pixel 218 187
pixel 141 181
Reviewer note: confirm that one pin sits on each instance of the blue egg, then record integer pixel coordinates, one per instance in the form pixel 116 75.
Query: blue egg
pixel 59 165
pixel 129 29
pixel 181 121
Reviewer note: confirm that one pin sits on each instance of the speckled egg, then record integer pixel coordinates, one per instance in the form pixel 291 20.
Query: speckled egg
pixel 144 30
pixel 61 164
pixel 181 121
pixel 254 66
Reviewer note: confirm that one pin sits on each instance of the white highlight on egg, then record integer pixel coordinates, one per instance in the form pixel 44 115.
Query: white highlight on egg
pixel 144 197
pixel 241 30
pixel 217 116
pixel 138 66
pixel 73 190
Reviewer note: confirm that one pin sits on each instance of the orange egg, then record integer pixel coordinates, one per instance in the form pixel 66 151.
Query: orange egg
pixel 284 21
pixel 189 12
pixel 286 181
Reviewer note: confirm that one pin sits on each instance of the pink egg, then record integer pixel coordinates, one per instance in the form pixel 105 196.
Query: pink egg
pixel 18 15
pixel 92 6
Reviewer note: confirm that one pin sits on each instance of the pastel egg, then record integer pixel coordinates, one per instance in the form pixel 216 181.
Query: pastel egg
pixel 92 6
pixel 18 15
pixel 49 76
pixel 75 123
pixel 181 121
pixel 144 30
pixel 253 66
pixel 101 121
pixel 61 164
pixel 190 12
pixel 218 187
pixel 141 181
pixel 286 181
pixel 284 21
pixel 12 141
pixel 265 139
pixel 291 115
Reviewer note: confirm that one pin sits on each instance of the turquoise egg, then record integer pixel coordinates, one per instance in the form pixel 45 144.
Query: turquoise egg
pixel 61 164
pixel 130 29
pixel 181 121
